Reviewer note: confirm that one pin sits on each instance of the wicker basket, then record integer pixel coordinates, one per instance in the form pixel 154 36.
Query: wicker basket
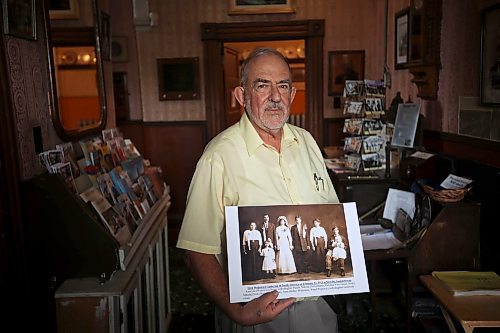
pixel 446 195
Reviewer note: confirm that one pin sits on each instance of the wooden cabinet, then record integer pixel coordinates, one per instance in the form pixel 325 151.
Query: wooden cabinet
pixel 424 46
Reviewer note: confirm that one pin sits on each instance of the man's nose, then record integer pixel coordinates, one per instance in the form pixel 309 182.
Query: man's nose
pixel 275 95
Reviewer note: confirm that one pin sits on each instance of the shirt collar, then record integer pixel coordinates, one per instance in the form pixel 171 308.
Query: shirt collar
pixel 253 140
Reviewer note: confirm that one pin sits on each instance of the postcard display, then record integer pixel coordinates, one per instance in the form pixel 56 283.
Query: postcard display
pixel 105 225
pixel 112 178
pixel 366 133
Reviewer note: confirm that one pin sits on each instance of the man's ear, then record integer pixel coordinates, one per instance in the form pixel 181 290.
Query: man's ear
pixel 239 93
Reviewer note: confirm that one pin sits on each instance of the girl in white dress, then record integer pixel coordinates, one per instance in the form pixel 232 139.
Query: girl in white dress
pixel 285 263
pixel 269 262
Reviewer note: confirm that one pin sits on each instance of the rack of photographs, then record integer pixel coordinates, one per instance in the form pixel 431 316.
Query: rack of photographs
pixel 366 132
pixel 112 177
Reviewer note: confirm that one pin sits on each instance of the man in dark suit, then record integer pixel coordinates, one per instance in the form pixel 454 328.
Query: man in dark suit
pixel 268 231
pixel 301 245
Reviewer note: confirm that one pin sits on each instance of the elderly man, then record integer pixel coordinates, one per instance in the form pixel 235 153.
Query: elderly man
pixel 261 160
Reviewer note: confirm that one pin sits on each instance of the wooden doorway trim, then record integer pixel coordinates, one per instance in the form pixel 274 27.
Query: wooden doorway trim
pixel 214 35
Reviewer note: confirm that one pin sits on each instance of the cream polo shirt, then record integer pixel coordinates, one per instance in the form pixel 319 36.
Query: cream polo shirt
pixel 238 169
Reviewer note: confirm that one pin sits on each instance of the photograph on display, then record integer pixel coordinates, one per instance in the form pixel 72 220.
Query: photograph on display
pixel 405 125
pixel 353 107
pixel 353 144
pixel 353 126
pixel 353 88
pixel 374 88
pixel 372 161
pixel 344 66
pixel 372 126
pixel 298 250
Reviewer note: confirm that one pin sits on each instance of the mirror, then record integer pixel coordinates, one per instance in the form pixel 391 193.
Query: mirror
pixel 79 101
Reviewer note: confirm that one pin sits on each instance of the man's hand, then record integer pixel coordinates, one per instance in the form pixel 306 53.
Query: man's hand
pixel 262 309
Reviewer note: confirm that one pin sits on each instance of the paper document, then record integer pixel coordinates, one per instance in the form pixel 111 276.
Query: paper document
pixel 397 199
pixel 453 182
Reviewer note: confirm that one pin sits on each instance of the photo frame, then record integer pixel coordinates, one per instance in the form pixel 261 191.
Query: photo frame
pixel 64 9
pixel 119 49
pixel 405 126
pixel 178 78
pixel 236 7
pixel 19 18
pixel 342 66
pixel 401 38
pixel 105 35
pixel 490 56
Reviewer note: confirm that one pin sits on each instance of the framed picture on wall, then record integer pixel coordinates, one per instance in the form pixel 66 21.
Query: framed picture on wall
pixel 260 6
pixel 178 78
pixel 342 66
pixel 64 9
pixel 490 56
pixel 401 42
pixel 19 18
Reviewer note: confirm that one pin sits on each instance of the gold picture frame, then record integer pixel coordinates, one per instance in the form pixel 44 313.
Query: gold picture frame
pixel 64 9
pixel 237 7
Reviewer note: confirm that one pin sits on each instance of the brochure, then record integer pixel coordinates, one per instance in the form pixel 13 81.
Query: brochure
pixel 312 250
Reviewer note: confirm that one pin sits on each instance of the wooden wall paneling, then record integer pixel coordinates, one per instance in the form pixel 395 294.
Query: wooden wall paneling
pixel 333 134
pixel 133 130
pixel 176 148
pixel 468 148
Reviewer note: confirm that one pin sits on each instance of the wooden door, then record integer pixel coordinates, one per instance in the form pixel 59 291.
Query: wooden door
pixel 232 110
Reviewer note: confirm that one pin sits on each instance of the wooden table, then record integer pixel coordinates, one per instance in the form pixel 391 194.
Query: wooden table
pixel 469 311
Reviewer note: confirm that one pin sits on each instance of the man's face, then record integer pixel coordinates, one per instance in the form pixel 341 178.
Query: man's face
pixel 266 218
pixel 268 93
pixel 298 220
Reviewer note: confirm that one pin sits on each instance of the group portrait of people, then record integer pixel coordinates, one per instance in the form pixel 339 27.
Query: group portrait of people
pixel 276 246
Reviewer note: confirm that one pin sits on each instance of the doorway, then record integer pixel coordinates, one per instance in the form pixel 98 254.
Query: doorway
pixel 216 35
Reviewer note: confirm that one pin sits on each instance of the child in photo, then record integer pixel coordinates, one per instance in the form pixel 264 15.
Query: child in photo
pixel 269 262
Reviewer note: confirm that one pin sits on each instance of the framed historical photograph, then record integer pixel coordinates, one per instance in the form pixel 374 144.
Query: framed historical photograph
pixel 19 18
pixel 178 78
pixel 64 9
pixel 490 56
pixel 263 244
pixel 119 49
pixel 105 35
pixel 401 41
pixel 342 66
pixel 260 6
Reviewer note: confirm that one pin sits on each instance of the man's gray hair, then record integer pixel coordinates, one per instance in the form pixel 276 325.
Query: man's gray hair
pixel 258 52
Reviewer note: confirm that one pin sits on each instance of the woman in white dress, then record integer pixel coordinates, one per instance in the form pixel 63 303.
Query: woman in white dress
pixel 284 262
pixel 269 262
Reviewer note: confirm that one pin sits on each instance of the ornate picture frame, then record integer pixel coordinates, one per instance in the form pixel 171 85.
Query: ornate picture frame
pixel 342 66
pixel 489 83
pixel 19 18
pixel 64 9
pixel 236 7
pixel 401 38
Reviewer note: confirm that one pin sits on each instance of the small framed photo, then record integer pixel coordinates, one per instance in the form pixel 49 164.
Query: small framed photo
pixel 401 41
pixel 119 50
pixel 490 56
pixel 64 9
pixel 178 78
pixel 19 18
pixel 342 66
pixel 260 6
